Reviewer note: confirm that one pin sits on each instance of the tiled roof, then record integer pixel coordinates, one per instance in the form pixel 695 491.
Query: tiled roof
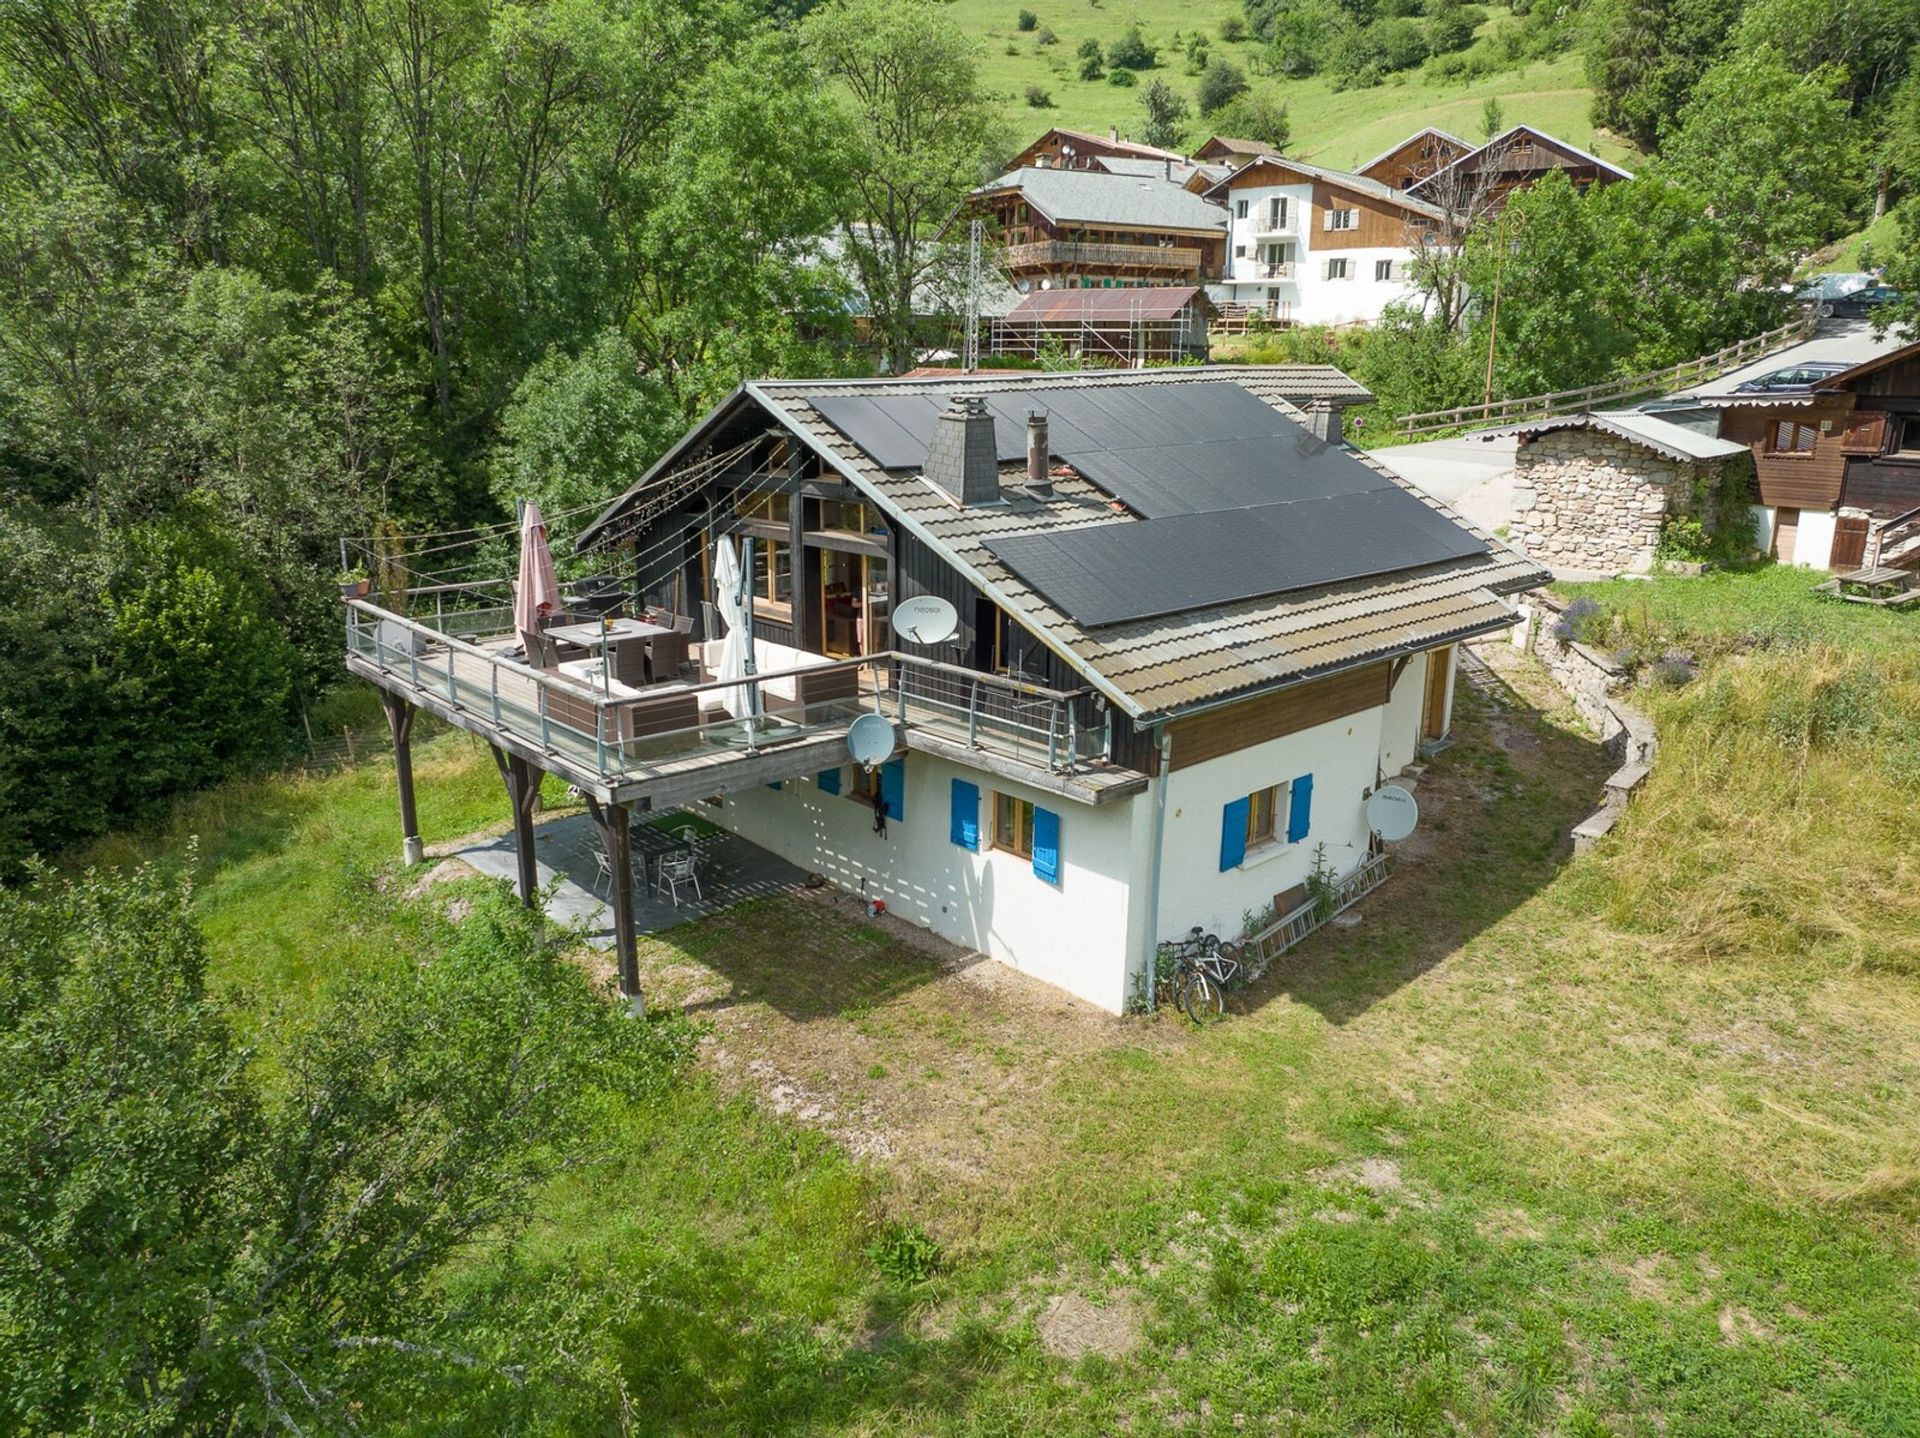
pixel 1156 667
pixel 1094 197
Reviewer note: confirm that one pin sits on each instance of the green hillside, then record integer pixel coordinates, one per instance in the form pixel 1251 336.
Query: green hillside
pixel 1337 128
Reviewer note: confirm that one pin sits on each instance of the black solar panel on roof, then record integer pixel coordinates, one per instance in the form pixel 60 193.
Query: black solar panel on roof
pixel 1111 573
pixel 1161 448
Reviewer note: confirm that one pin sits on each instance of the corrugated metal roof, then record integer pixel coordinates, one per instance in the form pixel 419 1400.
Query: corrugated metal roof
pixel 1155 667
pixel 1094 197
pixel 1662 436
pixel 1157 302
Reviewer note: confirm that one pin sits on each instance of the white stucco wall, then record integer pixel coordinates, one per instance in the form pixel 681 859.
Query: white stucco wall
pixel 1081 934
pixel 1346 758
pixel 1813 540
pixel 1309 296
pixel 1763 521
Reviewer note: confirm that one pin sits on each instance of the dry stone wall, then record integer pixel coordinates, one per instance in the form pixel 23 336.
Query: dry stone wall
pixel 1589 500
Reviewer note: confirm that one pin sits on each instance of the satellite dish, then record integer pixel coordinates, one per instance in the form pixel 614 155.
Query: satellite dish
pixel 925 619
pixel 870 740
pixel 1392 813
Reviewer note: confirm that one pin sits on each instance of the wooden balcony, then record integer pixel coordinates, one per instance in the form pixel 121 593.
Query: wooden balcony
pixel 1074 254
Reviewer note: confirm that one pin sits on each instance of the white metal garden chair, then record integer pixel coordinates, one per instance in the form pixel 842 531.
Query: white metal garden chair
pixel 678 869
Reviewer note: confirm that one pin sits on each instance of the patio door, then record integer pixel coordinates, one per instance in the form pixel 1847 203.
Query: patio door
pixel 854 601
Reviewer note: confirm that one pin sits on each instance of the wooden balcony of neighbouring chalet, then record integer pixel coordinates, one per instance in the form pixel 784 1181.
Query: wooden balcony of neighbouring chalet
pixel 677 740
pixel 1077 254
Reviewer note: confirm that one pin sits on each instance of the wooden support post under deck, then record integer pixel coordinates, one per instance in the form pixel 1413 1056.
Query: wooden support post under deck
pixel 616 836
pixel 400 725
pixel 522 778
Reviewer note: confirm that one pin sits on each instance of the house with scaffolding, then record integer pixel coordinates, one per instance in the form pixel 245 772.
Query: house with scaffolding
pixel 1158 643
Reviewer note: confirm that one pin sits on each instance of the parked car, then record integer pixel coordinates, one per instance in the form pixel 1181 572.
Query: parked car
pixel 1800 376
pixel 1860 303
pixel 1822 288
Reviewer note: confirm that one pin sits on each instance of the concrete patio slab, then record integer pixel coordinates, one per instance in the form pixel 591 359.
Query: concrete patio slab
pixel 731 870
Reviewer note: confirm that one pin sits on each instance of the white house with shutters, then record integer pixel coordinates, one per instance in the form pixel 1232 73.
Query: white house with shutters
pixel 1116 741
pixel 1308 245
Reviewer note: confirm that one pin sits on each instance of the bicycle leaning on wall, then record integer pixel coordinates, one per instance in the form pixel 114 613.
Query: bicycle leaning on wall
pixel 1202 969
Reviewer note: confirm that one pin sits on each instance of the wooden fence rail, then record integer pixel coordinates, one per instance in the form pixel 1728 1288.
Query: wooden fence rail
pixel 1571 401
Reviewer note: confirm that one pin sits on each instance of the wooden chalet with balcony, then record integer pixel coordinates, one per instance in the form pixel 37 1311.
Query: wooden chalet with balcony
pixel 1183 639
pixel 1090 229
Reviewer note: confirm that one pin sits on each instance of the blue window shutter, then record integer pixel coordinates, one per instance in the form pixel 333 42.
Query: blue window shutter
pixel 828 781
pixel 966 815
pixel 1233 834
pixel 1046 844
pixel 1300 809
pixel 893 788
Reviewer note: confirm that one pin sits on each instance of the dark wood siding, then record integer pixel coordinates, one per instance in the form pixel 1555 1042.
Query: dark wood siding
pixel 1884 487
pixel 1801 481
pixel 1253 721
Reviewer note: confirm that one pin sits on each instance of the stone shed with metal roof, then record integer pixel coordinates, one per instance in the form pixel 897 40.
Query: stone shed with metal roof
pixel 1593 491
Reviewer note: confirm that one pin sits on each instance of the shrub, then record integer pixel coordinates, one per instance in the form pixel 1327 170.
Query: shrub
pixel 1046 37
pixel 1233 30
pixel 1132 51
pixel 1197 54
pixel 1577 620
pixel 1125 79
pixel 1039 98
pixel 1028 20
pixel 1401 44
pixel 1255 116
pixel 905 1253
pixel 1220 86
pixel 1093 62
pixel 1450 30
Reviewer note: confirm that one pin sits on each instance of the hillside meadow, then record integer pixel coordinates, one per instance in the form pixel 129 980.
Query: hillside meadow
pixel 1338 128
pixel 1617 1145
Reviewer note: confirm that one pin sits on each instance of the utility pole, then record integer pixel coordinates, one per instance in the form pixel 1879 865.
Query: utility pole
pixel 1493 318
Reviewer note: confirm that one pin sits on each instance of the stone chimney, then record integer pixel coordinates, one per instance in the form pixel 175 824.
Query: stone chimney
pixel 1039 480
pixel 962 457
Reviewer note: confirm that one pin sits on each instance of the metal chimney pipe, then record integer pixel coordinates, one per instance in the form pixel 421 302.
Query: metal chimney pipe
pixel 1039 481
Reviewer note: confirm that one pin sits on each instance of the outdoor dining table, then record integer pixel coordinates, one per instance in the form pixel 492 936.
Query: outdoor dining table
pixel 653 844
pixel 620 644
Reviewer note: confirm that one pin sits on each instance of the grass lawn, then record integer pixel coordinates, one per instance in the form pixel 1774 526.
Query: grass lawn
pixel 1335 128
pixel 1514 1154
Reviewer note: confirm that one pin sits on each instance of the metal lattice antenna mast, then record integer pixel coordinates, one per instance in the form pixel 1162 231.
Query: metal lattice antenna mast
pixel 970 345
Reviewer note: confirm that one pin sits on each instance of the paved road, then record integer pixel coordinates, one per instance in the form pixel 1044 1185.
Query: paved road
pixel 1475 476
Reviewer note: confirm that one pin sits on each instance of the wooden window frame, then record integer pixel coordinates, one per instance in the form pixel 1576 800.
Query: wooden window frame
pixel 1265 810
pixel 865 784
pixel 1012 817
pixel 1770 440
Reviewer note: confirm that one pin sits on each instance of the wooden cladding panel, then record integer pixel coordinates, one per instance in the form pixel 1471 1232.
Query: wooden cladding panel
pixel 1381 224
pixel 1803 481
pixel 1885 487
pixel 1866 433
pixel 1233 727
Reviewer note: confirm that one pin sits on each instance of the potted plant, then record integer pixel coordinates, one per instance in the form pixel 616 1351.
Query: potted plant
pixel 354 583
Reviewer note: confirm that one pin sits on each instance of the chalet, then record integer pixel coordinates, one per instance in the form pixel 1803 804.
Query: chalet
pixel 1177 641
pixel 1415 158
pixel 1834 428
pixel 1078 229
pixel 1112 327
pixel 1082 150
pixel 1479 181
pixel 1232 153
pixel 1309 245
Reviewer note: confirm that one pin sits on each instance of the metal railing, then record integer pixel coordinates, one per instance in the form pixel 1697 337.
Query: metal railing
pixel 1267 224
pixel 1263 947
pixel 1283 270
pixel 643 729
pixel 1637 386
